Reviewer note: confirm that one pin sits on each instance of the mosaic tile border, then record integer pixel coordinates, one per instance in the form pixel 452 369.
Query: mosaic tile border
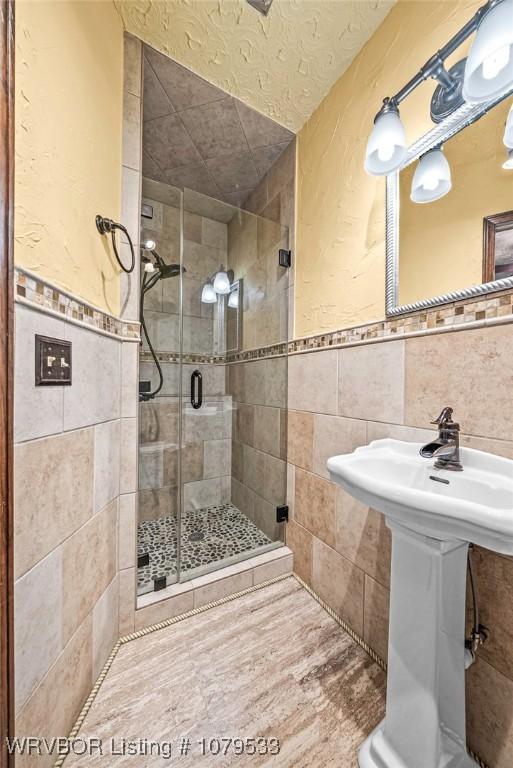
pixel 174 357
pixel 32 290
pixel 194 612
pixel 454 316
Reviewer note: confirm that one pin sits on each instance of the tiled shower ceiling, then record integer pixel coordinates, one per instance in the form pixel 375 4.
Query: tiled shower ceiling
pixel 197 136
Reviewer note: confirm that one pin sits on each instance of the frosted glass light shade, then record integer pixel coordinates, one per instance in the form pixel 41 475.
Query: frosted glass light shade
pixel 489 69
pixel 508 163
pixel 233 299
pixel 208 295
pixel 432 178
pixel 150 245
pixel 386 147
pixel 508 133
pixel 222 283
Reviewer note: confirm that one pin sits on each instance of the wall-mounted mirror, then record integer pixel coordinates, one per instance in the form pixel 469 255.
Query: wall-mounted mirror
pixel 234 307
pixel 462 244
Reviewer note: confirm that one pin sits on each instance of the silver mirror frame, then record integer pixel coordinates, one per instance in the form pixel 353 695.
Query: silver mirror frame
pixel 458 121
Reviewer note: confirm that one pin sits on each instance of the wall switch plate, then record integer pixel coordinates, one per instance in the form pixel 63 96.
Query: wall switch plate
pixel 53 361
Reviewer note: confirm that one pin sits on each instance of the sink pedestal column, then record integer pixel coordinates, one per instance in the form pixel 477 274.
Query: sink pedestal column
pixel 424 726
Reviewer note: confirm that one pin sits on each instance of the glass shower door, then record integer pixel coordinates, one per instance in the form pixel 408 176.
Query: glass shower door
pixel 233 411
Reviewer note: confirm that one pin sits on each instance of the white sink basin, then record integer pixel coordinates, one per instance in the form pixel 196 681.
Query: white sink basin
pixel 433 514
pixel 475 505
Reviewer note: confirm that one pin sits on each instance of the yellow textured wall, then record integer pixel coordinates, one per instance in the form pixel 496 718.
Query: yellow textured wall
pixel 282 64
pixel 340 251
pixel 68 102
pixel 449 253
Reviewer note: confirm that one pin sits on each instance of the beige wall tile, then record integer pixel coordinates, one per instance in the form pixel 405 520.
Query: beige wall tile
pixel 243 498
pixel 158 422
pixel 300 426
pixel 313 382
pixel 217 458
pixel 202 493
pixel 132 133
pixel 158 502
pixel 237 461
pixel 106 463
pixel 480 372
pixel 214 233
pixel 89 563
pixel 489 715
pixel 276 373
pixel 291 489
pixel 376 610
pixel 339 583
pixel 334 435
pixel 267 431
pixel 127 587
pixel 129 379
pixel 300 541
pixel 132 64
pixel 314 505
pixel 127 530
pixel 494 576
pixel 38 411
pixel 164 609
pixel 264 517
pixel 244 423
pixel 38 624
pixel 273 569
pixel 363 537
pixel 95 394
pixel 499 447
pixel 105 626
pixel 128 456
pixel 208 592
pixel 59 472
pixel 371 382
pixel 55 705
pixel 192 227
pixel 379 431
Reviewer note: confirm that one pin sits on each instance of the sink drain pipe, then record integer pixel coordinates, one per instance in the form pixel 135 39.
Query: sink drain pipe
pixel 479 633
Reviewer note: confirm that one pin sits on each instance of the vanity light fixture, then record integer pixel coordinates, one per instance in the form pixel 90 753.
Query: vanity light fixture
pixel 508 131
pixel 432 177
pixel 233 299
pixel 386 147
pixel 508 163
pixel 208 295
pixel 487 73
pixel 222 283
pixel 489 70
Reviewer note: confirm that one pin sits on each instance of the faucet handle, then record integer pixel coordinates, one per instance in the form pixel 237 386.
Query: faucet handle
pixel 445 417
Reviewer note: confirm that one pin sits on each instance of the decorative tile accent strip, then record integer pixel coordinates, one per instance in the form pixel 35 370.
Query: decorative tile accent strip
pixel 33 290
pixel 274 350
pixel 174 357
pixel 450 316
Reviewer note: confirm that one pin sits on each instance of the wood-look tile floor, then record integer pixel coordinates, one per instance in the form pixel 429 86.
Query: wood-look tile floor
pixel 271 664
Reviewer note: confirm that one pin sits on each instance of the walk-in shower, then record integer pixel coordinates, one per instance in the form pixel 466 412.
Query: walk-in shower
pixel 212 458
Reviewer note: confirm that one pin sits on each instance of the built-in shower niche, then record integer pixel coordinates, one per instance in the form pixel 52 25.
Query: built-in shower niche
pixel 212 502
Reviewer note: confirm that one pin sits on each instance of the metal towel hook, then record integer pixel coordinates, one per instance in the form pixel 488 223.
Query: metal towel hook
pixel 104 225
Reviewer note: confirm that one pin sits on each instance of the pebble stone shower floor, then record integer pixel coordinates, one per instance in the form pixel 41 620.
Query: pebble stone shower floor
pixel 208 535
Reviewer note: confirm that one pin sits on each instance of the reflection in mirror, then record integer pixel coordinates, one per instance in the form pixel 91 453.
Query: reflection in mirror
pixel 234 318
pixel 498 246
pixel 441 243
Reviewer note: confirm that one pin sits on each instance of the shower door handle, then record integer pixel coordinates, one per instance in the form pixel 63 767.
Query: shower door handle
pixel 196 389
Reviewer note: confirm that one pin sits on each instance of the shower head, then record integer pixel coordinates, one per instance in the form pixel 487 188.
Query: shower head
pixel 170 270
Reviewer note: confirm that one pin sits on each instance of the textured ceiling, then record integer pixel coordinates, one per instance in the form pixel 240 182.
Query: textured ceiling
pixel 282 65
pixel 197 136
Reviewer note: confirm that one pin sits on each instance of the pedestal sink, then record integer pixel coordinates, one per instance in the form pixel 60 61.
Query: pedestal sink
pixel 433 515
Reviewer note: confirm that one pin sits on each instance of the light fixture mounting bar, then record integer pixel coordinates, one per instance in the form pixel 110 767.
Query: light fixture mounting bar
pixel 435 66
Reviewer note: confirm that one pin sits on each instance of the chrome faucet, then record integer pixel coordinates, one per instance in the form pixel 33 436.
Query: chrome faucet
pixel 446 449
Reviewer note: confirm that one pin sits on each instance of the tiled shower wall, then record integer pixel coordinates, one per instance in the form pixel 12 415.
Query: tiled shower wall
pixel 259 387
pixel 340 399
pixel 73 458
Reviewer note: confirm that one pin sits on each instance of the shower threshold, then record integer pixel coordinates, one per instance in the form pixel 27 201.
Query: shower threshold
pixel 211 537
